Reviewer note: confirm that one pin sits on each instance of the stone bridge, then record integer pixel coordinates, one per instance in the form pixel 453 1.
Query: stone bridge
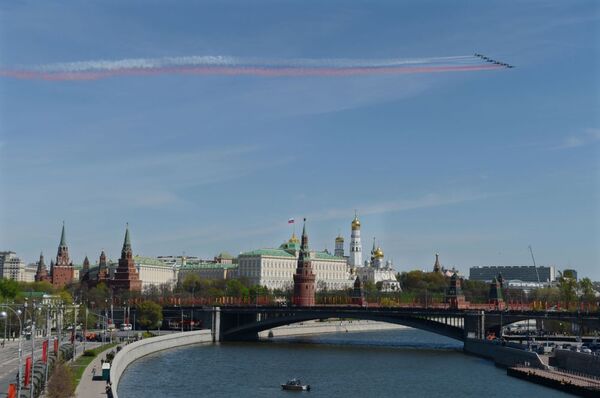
pixel 245 322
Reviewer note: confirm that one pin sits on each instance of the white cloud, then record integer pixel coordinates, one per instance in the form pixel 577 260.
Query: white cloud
pixel 587 137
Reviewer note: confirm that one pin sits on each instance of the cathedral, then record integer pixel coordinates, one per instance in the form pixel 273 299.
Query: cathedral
pixel 376 269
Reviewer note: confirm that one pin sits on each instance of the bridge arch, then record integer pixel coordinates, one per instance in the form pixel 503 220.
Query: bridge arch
pixel 249 329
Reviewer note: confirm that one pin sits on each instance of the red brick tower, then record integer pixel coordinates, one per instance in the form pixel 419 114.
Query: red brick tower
pixel 126 276
pixel 41 274
pixel 103 272
pixel 304 278
pixel 62 271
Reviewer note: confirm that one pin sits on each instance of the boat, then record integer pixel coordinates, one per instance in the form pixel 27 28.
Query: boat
pixel 295 385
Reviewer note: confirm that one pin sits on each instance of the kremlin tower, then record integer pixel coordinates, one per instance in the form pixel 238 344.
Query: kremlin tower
pixel 62 270
pixel 41 274
pixel 355 245
pixel 126 276
pixel 304 278
pixel 437 267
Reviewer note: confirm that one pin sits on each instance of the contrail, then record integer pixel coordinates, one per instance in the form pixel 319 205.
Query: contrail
pixel 235 66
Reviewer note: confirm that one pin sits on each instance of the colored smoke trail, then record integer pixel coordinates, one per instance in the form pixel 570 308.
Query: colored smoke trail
pixel 232 66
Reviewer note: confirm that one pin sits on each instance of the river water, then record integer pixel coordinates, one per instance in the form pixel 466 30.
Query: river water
pixel 393 363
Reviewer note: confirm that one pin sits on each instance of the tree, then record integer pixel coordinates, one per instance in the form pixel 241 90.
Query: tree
pixel 192 284
pixel 588 294
pixel 8 289
pixel 567 287
pixel 60 384
pixel 149 314
pixel 235 288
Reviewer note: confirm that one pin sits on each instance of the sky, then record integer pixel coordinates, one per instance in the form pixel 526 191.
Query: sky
pixel 475 165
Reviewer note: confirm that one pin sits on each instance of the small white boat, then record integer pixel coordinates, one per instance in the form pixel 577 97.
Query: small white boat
pixel 295 385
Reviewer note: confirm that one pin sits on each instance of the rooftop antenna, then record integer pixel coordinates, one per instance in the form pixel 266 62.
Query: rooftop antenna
pixel 534 265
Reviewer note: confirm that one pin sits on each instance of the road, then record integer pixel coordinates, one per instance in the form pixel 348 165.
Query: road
pixel 9 359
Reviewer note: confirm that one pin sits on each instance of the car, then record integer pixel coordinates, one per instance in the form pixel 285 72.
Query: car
pixel 126 326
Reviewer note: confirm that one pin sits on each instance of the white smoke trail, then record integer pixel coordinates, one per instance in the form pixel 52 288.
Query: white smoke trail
pixel 227 61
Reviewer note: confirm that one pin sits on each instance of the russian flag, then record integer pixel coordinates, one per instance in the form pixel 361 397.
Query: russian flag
pixel 290 221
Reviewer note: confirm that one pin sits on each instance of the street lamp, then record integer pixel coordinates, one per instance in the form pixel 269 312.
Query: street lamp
pixel 18 313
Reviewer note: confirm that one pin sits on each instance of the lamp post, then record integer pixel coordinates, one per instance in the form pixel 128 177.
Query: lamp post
pixel 4 314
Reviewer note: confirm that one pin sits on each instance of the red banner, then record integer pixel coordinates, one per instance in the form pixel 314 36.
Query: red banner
pixel 12 391
pixel 45 351
pixel 55 346
pixel 27 372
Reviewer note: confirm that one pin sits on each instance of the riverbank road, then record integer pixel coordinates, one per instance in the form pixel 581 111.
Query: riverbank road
pixel 9 359
pixel 91 384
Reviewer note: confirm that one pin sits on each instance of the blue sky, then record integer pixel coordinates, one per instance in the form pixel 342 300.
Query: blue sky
pixel 474 165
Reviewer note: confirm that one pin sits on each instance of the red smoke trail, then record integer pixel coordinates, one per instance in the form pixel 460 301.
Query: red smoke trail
pixel 241 71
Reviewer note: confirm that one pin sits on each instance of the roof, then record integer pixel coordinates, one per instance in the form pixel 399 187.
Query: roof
pixel 225 256
pixel 194 266
pixel 283 253
pixel 268 252
pixel 150 261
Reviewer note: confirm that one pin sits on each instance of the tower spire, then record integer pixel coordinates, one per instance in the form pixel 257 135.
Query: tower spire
pixel 63 240
pixel 127 241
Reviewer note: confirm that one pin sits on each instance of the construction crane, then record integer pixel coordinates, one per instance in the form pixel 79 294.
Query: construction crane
pixel 534 265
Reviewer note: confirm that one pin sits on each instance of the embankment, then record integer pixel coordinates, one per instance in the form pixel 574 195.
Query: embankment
pixel 502 355
pixel 135 351
pixel 316 327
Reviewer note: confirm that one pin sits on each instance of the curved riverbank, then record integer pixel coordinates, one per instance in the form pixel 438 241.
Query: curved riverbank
pixel 317 327
pixel 139 349
pixel 389 363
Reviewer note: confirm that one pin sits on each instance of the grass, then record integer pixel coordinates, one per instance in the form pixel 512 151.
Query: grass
pixel 83 361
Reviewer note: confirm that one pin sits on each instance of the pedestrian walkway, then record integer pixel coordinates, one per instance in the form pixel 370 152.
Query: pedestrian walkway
pixel 91 384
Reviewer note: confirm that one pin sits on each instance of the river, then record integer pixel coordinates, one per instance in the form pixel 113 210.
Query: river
pixel 393 363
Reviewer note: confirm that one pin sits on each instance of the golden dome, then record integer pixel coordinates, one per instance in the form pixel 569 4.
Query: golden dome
pixel 340 238
pixel 293 239
pixel 378 253
pixel 355 223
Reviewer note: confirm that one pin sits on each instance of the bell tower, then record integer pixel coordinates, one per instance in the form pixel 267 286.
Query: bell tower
pixel 355 245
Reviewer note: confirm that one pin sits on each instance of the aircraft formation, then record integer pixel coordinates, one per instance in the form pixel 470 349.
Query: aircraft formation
pixel 493 61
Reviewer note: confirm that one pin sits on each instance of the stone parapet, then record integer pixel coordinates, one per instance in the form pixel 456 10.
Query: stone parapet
pixel 139 349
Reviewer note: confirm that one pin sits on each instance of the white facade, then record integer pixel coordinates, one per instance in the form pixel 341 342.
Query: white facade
pixel 154 272
pixel 355 257
pixel 274 268
pixel 12 267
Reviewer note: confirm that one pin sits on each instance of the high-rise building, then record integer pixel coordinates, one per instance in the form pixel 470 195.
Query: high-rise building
pixel 12 267
pixel 355 259
pixel 62 271
pixel 304 278
pixel 126 276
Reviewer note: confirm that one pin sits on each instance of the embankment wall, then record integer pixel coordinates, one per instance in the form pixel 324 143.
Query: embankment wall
pixel 138 349
pixel 502 355
pixel 577 362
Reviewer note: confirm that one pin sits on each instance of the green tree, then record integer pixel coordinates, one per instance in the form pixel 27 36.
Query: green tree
pixel 236 288
pixel 149 314
pixel 8 289
pixel 588 294
pixel 567 288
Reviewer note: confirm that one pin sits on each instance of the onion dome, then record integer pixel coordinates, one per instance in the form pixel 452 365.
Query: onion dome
pixel 340 238
pixel 378 253
pixel 293 239
pixel 355 223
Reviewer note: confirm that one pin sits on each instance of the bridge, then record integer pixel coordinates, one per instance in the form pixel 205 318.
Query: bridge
pixel 236 323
